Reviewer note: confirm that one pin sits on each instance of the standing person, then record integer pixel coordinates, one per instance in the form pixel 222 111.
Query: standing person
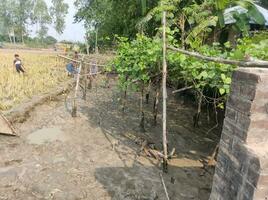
pixel 71 69
pixel 76 55
pixel 18 64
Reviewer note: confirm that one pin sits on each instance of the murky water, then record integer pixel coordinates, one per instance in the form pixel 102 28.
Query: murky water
pixel 45 135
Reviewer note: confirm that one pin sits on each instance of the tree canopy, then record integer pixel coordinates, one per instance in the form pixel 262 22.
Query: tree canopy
pixel 195 19
pixel 17 16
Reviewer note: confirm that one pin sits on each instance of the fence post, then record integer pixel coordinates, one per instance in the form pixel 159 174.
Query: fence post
pixel 164 85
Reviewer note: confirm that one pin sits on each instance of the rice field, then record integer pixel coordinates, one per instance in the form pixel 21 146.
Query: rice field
pixel 43 72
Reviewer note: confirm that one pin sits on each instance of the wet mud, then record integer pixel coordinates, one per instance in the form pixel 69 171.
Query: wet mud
pixel 95 155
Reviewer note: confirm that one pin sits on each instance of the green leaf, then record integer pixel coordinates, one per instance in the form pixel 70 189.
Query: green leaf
pixel 228 80
pixel 204 74
pixel 222 91
pixel 223 77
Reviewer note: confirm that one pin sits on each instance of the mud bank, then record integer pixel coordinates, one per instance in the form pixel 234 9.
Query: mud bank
pixel 95 156
pixel 21 112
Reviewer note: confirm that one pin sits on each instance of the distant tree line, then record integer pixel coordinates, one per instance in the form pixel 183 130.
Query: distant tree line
pixel 19 17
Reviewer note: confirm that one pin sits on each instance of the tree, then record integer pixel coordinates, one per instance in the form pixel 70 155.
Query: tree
pixel 41 18
pixel 58 12
pixel 23 13
pixel 7 14
pixel 118 17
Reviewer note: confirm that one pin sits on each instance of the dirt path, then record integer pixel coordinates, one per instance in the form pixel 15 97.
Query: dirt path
pixel 94 156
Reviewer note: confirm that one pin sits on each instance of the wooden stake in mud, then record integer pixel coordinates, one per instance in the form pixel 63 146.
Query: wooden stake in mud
pixel 6 127
pixel 164 85
pixel 142 122
pixel 74 110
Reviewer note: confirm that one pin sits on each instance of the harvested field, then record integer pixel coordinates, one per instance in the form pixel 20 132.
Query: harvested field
pixel 43 73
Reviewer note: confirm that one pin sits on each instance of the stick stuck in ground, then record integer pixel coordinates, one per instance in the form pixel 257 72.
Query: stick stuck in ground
pixel 164 185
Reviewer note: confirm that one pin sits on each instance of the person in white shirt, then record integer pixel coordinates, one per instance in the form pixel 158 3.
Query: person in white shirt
pixel 18 64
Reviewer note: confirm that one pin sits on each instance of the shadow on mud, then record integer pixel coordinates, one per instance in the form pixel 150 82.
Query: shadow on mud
pixel 185 180
pixel 144 183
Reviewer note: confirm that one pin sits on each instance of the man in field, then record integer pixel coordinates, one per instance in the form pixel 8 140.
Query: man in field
pixel 18 64
pixel 71 68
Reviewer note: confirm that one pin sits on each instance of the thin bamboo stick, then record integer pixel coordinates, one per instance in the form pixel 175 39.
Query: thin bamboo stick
pixel 164 85
pixel 74 110
pixel 78 61
pixel 164 185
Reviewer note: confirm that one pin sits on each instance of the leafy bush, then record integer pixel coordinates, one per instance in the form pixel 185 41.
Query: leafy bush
pixel 137 61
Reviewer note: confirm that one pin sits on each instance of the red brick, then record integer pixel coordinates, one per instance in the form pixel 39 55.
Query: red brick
pixel 249 92
pixel 248 77
pixel 243 121
pixel 230 113
pixel 227 137
pixel 231 127
pixel 239 104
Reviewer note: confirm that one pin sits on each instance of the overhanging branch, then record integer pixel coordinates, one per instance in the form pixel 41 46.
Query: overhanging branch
pixel 262 64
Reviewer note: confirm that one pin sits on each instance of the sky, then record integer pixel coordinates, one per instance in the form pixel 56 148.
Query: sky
pixel 73 31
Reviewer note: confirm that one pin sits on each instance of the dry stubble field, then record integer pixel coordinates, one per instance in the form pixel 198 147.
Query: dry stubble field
pixel 43 73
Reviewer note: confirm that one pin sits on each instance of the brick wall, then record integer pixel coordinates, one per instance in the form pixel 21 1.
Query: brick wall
pixel 242 168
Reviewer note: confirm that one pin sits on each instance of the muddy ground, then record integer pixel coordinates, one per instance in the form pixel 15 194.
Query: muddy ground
pixel 94 156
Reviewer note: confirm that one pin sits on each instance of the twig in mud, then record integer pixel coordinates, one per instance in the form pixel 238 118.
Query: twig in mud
pixel 171 153
pixel 213 156
pixel 164 185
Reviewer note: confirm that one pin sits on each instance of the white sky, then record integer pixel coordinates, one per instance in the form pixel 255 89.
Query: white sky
pixel 73 32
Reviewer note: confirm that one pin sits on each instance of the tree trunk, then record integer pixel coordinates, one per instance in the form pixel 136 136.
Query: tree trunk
pixel 96 42
pixel 87 49
pixel 197 115
pixel 14 37
pixel 124 100
pixel 10 38
pixel 22 38
pixel 147 96
pixel 182 26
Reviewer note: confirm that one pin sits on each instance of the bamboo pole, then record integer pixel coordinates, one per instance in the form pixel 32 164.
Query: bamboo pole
pixel 164 185
pixel 260 63
pixel 74 110
pixel 78 61
pixel 164 85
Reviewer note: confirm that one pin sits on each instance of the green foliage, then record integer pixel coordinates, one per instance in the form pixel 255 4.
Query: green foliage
pixel 41 17
pixel 137 61
pixel 200 74
pixel 117 17
pixel 38 43
pixel 255 46
pixel 16 16
pixel 59 11
pixel 242 19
